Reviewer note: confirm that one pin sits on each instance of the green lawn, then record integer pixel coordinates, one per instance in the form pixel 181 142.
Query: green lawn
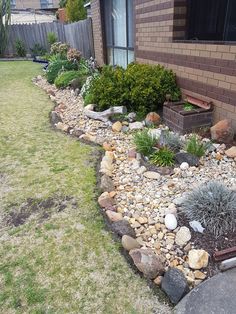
pixel 55 254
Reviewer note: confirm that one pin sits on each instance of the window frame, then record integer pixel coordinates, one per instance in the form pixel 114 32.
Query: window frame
pixel 113 46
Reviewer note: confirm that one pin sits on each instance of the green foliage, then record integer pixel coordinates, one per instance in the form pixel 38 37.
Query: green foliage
pixel 52 38
pixel 5 19
pixel 171 140
pixel 75 10
pixel 195 147
pixel 63 80
pixel 144 142
pixel 62 3
pixel 55 67
pixel 59 49
pixel 213 205
pixel 38 50
pixel 141 88
pixel 163 157
pixel 188 106
pixel 73 55
pixel 89 99
pixel 20 48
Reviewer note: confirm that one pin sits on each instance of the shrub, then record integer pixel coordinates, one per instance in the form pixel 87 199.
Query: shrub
pixel 89 99
pixel 38 50
pixel 64 79
pixel 171 140
pixel 75 10
pixel 213 205
pixel 195 147
pixel 73 54
pixel 140 87
pixel 20 48
pixel 109 89
pixel 144 142
pixel 60 49
pixel 164 157
pixel 51 37
pixel 55 67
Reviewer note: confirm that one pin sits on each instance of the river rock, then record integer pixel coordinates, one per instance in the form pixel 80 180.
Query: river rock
pixel 231 152
pixel 122 227
pixel 222 132
pixel 117 126
pixel 135 126
pixel 131 116
pixel 175 285
pixel 183 236
pixel 152 118
pixel 129 243
pixel 152 175
pixel 106 201
pixel 113 216
pixel 198 259
pixel 55 118
pixel 170 221
pixel 184 166
pixel 150 264
pixel 106 184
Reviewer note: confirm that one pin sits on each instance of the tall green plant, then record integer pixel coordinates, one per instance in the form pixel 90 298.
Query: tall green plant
pixel 75 10
pixel 5 19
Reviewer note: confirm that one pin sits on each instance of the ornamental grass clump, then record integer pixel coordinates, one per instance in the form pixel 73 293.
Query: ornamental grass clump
pixel 214 206
pixel 163 157
pixel 144 142
pixel 195 147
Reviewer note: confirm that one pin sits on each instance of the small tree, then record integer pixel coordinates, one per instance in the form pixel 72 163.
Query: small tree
pixel 5 17
pixel 75 10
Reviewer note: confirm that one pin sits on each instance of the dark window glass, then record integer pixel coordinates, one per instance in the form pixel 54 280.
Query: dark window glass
pixel 212 20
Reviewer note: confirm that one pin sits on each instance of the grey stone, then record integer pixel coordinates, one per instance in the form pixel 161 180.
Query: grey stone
pixel 214 296
pixel 227 264
pixel 131 116
pixel 123 227
pixel 150 264
pixel 106 184
pixel 186 157
pixel 175 285
pixel 55 118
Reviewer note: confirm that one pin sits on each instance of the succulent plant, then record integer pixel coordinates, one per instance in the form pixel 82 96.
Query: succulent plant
pixel 213 205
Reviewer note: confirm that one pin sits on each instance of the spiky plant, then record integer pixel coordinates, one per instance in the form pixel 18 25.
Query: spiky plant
pixel 214 206
pixel 195 147
pixel 171 140
pixel 144 142
pixel 164 157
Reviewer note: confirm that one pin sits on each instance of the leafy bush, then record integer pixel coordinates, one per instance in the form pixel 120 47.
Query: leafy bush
pixel 64 78
pixel 140 87
pixel 52 38
pixel 75 10
pixel 214 206
pixel 38 50
pixel 60 49
pixel 89 99
pixel 73 54
pixel 195 147
pixel 55 67
pixel 171 140
pixel 144 142
pixel 20 48
pixel 163 157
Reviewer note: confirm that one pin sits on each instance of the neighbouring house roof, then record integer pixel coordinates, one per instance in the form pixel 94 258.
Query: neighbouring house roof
pixel 30 17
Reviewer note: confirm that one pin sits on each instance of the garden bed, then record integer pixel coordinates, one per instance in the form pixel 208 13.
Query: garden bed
pixel 143 200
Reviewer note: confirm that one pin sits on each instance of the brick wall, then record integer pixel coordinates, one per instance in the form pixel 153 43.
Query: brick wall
pixel 97 31
pixel 203 70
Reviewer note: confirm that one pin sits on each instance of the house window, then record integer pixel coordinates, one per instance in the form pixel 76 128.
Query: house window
pixel 118 18
pixel 46 4
pixel 212 20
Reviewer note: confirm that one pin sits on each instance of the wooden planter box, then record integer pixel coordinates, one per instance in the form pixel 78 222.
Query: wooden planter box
pixel 182 121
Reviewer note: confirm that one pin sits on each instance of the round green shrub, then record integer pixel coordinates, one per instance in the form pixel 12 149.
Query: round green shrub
pixel 55 67
pixel 141 87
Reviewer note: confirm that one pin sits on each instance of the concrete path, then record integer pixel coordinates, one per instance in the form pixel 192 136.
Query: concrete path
pixel 214 296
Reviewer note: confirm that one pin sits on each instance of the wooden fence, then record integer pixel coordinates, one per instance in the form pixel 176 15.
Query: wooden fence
pixel 78 35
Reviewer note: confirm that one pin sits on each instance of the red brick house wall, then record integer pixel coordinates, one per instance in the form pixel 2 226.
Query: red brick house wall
pixel 205 70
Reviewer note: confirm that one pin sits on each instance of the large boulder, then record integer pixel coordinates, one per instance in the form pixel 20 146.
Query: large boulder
pixel 231 152
pixel 188 158
pixel 147 262
pixel 106 201
pixel 198 259
pixel 55 118
pixel 175 285
pixel 222 132
pixel 129 243
pixel 152 118
pixel 106 184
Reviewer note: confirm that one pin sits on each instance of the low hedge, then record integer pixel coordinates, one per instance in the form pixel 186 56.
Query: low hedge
pixel 64 79
pixel 55 67
pixel 140 87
